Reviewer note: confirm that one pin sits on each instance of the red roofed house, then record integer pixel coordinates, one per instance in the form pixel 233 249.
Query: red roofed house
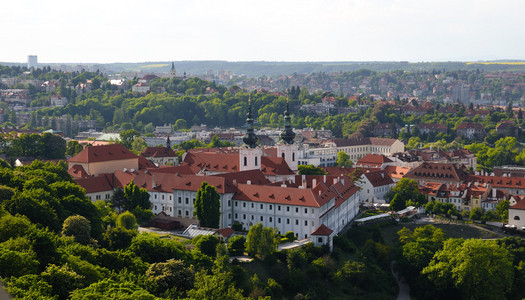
pixel 471 130
pixel 321 236
pixel 517 214
pixel 378 161
pixel 160 156
pixel 97 160
pixel 374 186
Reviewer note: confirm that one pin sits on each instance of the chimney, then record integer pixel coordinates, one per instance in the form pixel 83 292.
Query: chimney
pixel 324 178
pixel 153 184
pixel 314 182
pixel 235 182
pixel 343 181
pixel 283 185
pixel 335 181
pixel 249 182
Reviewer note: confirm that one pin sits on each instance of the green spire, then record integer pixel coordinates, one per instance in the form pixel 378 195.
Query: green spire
pixel 287 135
pixel 250 139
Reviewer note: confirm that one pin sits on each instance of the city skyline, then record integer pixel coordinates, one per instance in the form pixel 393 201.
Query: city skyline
pixel 378 30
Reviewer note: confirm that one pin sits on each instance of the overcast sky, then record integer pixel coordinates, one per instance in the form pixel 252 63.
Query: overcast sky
pixel 244 30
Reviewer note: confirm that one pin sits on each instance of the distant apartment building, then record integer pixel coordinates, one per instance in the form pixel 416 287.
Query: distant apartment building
pixel 32 61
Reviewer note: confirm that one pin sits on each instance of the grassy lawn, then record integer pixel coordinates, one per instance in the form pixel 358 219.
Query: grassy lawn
pixel 451 230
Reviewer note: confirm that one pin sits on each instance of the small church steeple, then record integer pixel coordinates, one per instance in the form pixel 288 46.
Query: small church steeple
pixel 168 142
pixel 173 72
pixel 287 135
pixel 250 139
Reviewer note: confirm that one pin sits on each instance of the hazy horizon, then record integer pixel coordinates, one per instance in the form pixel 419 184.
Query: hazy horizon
pixel 60 31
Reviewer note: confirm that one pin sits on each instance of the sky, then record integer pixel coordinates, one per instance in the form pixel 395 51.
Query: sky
pixel 108 31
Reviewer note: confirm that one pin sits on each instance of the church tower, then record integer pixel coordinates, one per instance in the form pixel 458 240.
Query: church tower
pixel 286 148
pixel 249 153
pixel 173 72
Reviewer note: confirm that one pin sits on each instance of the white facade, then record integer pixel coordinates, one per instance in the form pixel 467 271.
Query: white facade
pixel 289 153
pixel 517 217
pixel 250 158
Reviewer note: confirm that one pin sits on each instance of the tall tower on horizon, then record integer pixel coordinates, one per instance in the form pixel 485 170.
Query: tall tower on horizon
pixel 250 154
pixel 32 61
pixel 286 147
pixel 173 72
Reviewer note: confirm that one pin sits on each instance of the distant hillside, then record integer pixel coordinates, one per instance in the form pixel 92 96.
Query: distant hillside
pixel 260 68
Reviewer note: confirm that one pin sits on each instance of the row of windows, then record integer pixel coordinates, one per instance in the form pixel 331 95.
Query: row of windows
pixel 270 219
pixel 270 207
pixel 162 197
pixel 245 163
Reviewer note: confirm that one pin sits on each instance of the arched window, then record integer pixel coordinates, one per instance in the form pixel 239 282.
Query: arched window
pixel 245 161
pixel 256 160
pixel 517 218
pixel 319 239
pixel 282 154
pixel 293 156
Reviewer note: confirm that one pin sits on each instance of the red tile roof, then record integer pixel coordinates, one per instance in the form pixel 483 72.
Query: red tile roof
pixel 77 171
pixel 145 163
pixel 158 152
pixel 379 178
pixel 94 184
pixel 275 166
pixel 377 159
pixel 322 230
pixel 519 205
pixel 103 153
pixel 278 195
pixel 226 232
pixel 438 171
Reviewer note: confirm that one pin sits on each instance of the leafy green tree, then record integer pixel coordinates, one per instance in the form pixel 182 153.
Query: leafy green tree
pixel 207 206
pixel 111 289
pixel 136 197
pixel 118 200
pixel 502 210
pixel 407 189
pixel 478 269
pixel 261 241
pixel 236 245
pixel 343 160
pixel 170 279
pixel 153 249
pixel 118 238
pixel 17 263
pixel 73 148
pixel 126 220
pixel 62 279
pixel 30 286
pixel 310 170
pixel 206 244
pixel 77 227
pixel 216 286
pixel 397 203
pixel 128 136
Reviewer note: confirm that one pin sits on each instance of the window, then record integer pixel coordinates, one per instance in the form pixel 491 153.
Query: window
pixel 282 154
pixel 253 205
pixel 306 210
pixel 262 206
pixel 155 196
pixel 236 216
pixel 244 216
pixel 229 216
pixel 296 222
pixel 262 218
pixel 244 204
pixel 155 207
pixel 107 196
pixel 180 200
pixel 97 197
pixel 271 207
pixel 187 213
pixel 297 209
pixel 517 218
pixel 271 219
pixel 253 217
pixel 170 208
pixel 288 208
pixel 236 203
pixel 256 160
pixel 278 207
pixel 279 220
pixel 293 156
pixel 245 161
pixel 319 239
pixel 162 197
pixel 180 213
pixel 305 223
pixel 229 203
pixel 187 201
pixel 287 221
